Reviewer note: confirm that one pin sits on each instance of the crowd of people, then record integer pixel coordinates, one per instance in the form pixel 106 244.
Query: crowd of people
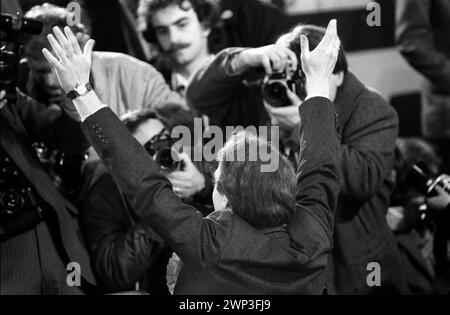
pixel 91 172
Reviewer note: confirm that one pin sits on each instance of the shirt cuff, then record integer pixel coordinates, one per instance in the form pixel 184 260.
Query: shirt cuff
pixel 84 116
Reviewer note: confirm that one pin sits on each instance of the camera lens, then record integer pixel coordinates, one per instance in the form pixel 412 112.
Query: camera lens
pixel 11 202
pixel 165 160
pixel 275 93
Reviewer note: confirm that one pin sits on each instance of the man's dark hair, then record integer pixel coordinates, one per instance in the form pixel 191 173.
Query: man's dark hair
pixel 170 114
pixel 208 12
pixel 263 199
pixel 315 35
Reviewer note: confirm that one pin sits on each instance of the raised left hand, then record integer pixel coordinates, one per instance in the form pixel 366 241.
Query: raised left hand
pixel 188 182
pixel 71 65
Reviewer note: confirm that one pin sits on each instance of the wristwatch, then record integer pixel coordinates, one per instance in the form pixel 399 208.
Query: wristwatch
pixel 79 90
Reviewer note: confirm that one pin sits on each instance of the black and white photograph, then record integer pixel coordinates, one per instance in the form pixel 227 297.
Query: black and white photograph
pixel 217 155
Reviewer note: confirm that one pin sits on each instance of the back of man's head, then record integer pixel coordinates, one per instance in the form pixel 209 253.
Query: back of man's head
pixel 315 35
pixel 263 199
pixel 51 16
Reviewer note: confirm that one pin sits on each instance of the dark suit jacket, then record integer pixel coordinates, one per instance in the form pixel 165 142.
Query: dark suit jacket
pixel 367 127
pixel 223 254
pixel 27 120
pixel 124 250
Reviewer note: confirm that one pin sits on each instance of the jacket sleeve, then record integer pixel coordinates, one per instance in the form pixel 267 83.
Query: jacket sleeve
pixel 154 203
pixel 122 252
pixel 318 180
pixel 416 39
pixel 367 148
pixel 51 125
pixel 216 91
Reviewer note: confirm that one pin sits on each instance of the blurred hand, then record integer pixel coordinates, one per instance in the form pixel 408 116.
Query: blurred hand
pixel 273 58
pixel 2 98
pixel 318 65
pixel 441 201
pixel 71 65
pixel 286 117
pixel 395 218
pixel 188 182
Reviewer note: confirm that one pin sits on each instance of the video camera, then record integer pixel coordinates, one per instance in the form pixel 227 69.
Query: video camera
pixel 13 28
pixel 275 87
pixel 160 149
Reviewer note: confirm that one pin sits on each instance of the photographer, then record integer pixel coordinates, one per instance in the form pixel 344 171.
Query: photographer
pixel 267 236
pixel 39 232
pixel 124 248
pixel 367 127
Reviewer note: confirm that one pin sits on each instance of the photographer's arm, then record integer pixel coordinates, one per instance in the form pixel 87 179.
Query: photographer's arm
pixel 217 89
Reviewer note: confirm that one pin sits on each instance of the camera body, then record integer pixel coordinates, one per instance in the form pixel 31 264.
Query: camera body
pixel 160 148
pixel 13 28
pixel 420 178
pixel 275 87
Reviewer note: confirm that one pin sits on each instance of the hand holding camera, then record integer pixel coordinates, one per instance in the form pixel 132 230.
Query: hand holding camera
pixel 189 181
pixel 273 58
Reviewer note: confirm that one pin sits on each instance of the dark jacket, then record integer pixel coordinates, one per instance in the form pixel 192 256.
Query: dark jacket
pixel 124 250
pixel 223 254
pixel 367 130
pixel 24 122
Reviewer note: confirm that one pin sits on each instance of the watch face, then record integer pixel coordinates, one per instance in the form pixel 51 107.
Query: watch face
pixel 81 90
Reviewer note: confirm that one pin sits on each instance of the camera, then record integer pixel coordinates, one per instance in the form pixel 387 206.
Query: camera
pixel 11 202
pixel 160 149
pixel 13 28
pixel 275 87
pixel 420 178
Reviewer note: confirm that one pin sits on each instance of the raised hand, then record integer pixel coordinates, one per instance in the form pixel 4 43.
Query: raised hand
pixel 71 65
pixel 273 58
pixel 318 65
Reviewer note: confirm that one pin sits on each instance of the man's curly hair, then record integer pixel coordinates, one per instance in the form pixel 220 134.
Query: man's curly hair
pixel 208 12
